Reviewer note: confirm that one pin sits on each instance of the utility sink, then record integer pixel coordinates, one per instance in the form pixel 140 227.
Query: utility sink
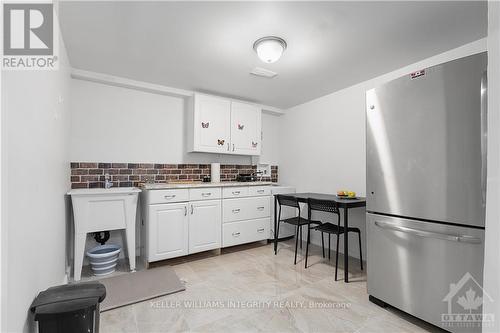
pixel 100 209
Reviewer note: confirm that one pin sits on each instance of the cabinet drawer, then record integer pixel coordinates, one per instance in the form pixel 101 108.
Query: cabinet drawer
pixel 196 194
pixel 259 190
pixel 245 232
pixel 235 192
pixel 245 208
pixel 167 196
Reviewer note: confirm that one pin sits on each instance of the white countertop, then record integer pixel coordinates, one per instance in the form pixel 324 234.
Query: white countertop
pixel 99 191
pixel 161 186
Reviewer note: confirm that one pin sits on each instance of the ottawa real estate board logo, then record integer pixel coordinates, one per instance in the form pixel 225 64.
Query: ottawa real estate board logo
pixel 465 301
pixel 29 40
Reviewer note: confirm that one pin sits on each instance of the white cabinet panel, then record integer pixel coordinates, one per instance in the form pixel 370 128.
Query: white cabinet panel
pixel 204 225
pixel 167 196
pixel 245 208
pixel 242 232
pixel 212 131
pixel 259 190
pixel 234 192
pixel 196 194
pixel 245 129
pixel 167 231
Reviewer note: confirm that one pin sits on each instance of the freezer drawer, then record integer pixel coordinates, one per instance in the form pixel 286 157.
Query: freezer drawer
pixel 412 265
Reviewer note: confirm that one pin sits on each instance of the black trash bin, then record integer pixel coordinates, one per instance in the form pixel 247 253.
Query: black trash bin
pixel 69 308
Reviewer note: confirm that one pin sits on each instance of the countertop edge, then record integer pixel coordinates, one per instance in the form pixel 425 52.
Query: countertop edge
pixel 102 191
pixel 153 187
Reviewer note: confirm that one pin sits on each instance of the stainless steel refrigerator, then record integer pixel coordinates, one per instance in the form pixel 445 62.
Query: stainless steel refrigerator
pixel 426 178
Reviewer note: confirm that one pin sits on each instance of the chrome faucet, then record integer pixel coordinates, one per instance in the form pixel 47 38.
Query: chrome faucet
pixel 107 181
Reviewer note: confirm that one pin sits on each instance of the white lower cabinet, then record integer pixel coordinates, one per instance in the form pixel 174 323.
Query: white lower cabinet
pixel 241 232
pixel 245 220
pixel 179 222
pixel 204 225
pixel 168 231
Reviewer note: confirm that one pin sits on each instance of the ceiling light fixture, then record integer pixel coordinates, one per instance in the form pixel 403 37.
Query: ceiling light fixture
pixel 270 48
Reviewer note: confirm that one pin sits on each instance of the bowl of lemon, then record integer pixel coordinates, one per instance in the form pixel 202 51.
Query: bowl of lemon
pixel 346 194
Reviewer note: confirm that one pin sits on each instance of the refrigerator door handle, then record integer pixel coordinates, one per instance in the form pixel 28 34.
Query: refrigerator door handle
pixel 484 132
pixel 429 234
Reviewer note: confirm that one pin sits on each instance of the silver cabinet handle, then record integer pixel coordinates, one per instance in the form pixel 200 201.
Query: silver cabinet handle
pixel 260 208
pixel 206 194
pixel 169 196
pixel 236 192
pixel 484 131
pixel 192 209
pixel 228 146
pixel 236 234
pixel 260 191
pixel 233 146
pixel 261 230
pixel 185 210
pixel 235 211
pixel 429 234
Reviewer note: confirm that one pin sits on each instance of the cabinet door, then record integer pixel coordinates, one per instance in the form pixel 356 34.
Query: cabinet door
pixel 167 231
pixel 212 124
pixel 204 225
pixel 245 129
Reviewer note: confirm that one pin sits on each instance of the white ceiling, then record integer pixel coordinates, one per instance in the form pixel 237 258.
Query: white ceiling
pixel 207 46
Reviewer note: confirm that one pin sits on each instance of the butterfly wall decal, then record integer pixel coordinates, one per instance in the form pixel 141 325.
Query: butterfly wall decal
pixel 240 127
pixel 254 144
pixel 205 125
pixel 220 142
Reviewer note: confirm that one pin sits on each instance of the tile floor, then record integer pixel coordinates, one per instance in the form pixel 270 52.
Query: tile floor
pixel 249 289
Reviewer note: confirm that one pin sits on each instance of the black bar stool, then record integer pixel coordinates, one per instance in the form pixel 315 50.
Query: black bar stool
pixel 329 228
pixel 298 221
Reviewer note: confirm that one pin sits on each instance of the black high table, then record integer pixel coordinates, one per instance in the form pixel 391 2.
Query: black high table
pixel 344 204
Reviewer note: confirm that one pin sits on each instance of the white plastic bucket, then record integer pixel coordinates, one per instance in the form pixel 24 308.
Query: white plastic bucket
pixel 103 258
pixel 105 270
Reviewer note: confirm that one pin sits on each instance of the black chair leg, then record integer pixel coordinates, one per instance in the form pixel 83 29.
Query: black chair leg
pixel 337 258
pixel 323 244
pixel 307 244
pixel 360 254
pixel 300 228
pixel 329 247
pixel 296 243
pixel 277 236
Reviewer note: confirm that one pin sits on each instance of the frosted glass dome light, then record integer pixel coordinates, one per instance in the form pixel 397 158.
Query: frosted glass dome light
pixel 269 49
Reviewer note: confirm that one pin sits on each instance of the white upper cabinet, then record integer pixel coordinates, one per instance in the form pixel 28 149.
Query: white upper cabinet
pixel 245 128
pixel 212 124
pixel 219 125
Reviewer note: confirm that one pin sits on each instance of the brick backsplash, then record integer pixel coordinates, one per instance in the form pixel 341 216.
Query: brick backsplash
pixel 91 174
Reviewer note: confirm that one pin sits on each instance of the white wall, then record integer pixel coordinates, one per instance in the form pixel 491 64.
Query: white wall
pixel 35 171
pixel 271 126
pixel 115 124
pixel 492 242
pixel 323 141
